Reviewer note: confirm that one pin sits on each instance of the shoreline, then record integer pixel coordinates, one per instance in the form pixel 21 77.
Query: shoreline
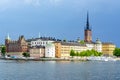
pixel 64 59
pixel 46 59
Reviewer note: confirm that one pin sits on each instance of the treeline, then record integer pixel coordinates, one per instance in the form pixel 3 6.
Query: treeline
pixel 85 53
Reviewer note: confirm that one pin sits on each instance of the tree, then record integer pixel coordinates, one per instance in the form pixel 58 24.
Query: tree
pixel 3 51
pixel 82 53
pixel 25 54
pixel 90 53
pixel 82 42
pixel 64 40
pixel 77 53
pixel 116 52
pixel 72 53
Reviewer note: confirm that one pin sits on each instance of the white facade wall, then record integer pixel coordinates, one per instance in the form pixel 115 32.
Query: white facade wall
pixel 50 50
pixel 40 42
pixel 90 46
pixel 96 46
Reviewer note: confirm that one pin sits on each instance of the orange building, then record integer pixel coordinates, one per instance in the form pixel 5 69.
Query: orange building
pixel 63 49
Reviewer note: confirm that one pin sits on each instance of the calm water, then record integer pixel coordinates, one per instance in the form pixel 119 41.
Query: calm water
pixel 51 70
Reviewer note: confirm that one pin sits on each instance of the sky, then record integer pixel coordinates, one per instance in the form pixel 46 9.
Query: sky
pixel 63 19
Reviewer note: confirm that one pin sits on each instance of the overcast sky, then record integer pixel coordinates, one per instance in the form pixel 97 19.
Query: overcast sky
pixel 64 19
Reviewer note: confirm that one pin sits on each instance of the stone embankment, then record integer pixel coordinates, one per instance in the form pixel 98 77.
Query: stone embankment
pixel 47 59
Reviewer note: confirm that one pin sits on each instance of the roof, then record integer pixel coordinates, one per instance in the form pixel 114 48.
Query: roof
pixel 108 43
pixel 50 45
pixel 72 44
pixel 90 43
pixel 42 38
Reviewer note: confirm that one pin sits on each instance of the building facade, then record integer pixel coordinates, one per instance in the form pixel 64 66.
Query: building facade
pixel 37 52
pixel 63 49
pixel 16 46
pixel 95 45
pixel 41 41
pixel 108 48
pixel 50 50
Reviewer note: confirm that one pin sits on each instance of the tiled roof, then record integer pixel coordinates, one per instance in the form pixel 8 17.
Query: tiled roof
pixel 108 43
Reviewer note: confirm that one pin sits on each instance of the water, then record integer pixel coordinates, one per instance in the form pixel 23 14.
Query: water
pixel 51 70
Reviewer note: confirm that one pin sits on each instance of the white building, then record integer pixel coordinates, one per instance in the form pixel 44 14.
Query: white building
pixel 95 45
pixel 50 50
pixel 41 41
pixel 98 45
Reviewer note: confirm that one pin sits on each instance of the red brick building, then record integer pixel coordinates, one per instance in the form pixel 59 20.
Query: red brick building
pixel 16 46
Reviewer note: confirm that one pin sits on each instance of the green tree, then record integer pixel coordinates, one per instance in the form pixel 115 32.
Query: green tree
pixel 82 42
pixel 82 53
pixel 116 52
pixel 90 53
pixel 3 51
pixel 64 40
pixel 25 54
pixel 77 53
pixel 72 53
pixel 100 54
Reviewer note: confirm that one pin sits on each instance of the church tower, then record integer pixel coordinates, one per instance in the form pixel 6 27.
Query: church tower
pixel 7 41
pixel 88 31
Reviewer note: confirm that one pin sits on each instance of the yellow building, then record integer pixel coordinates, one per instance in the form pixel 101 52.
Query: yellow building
pixel 63 49
pixel 108 48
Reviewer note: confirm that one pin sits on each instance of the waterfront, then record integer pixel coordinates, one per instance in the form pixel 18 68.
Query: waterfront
pixel 59 70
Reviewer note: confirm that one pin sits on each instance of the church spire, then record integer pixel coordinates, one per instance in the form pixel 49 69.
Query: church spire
pixel 8 37
pixel 87 23
pixel 88 31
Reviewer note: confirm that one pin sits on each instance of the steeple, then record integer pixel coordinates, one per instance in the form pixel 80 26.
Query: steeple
pixel 8 37
pixel 87 31
pixel 87 23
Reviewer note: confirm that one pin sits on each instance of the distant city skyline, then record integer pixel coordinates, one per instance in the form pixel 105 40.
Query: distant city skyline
pixel 63 19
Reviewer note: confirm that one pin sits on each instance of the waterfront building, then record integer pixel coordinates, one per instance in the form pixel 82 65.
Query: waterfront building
pixel 37 51
pixel 50 50
pixel 98 45
pixel 42 41
pixel 108 48
pixel 95 45
pixel 63 49
pixel 19 45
